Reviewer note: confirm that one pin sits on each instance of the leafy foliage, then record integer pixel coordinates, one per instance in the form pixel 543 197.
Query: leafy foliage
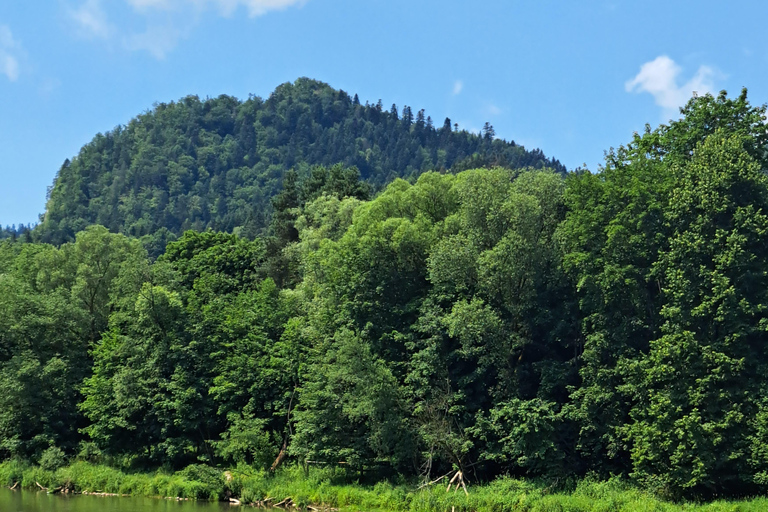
pixel 215 163
pixel 491 321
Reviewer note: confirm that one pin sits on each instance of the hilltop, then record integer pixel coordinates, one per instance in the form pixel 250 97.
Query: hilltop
pixel 216 163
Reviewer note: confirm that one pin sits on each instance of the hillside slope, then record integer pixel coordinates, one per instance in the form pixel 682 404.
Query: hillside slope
pixel 215 163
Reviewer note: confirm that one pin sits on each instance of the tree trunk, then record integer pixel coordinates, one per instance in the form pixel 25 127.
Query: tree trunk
pixel 280 457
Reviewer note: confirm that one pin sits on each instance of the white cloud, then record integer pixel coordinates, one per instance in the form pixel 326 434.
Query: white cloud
pixel 9 49
pixel 458 86
pixel 157 40
pixel 255 7
pixel 149 4
pixel 659 78
pixel 492 110
pixel 167 21
pixel 91 20
pixel 225 7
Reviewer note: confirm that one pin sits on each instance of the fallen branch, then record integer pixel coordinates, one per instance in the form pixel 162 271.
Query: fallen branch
pixel 459 479
pixel 433 481
pixel 40 486
pixel 234 501
pixel 458 473
pixel 14 486
pixel 286 502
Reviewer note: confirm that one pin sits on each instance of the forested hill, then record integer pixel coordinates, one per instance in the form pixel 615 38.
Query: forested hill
pixel 215 163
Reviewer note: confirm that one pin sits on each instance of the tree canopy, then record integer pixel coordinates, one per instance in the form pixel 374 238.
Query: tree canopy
pixel 216 163
pixel 495 321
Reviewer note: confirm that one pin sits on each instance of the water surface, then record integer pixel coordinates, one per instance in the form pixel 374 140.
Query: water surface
pixel 30 501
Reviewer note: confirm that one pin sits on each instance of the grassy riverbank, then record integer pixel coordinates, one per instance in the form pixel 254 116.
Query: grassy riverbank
pixel 324 487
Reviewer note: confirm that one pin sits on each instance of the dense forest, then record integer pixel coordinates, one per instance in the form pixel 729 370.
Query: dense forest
pixel 13 232
pixel 494 320
pixel 215 163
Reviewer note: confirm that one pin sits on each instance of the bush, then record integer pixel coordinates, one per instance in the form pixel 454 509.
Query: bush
pixel 89 452
pixel 205 482
pixel 52 459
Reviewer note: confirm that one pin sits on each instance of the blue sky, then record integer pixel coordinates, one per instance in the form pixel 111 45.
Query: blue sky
pixel 573 78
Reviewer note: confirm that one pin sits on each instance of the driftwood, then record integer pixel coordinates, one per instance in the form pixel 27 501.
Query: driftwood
pixel 14 486
pixel 234 501
pixel 433 481
pixel 41 487
pixel 453 480
pixel 459 479
pixel 287 502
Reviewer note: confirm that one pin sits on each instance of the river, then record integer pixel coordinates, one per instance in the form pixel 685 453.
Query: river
pixel 30 501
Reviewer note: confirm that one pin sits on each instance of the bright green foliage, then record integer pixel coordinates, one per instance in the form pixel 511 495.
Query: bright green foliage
pixel 450 284
pixel 336 182
pixel 55 305
pixel 256 373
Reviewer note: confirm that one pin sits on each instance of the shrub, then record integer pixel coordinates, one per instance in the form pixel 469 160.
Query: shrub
pixel 205 482
pixel 89 452
pixel 52 459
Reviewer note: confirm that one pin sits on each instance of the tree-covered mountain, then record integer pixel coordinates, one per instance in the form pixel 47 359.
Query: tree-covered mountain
pixel 215 163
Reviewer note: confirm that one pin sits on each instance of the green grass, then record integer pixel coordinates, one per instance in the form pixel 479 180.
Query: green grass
pixel 333 489
pixel 86 477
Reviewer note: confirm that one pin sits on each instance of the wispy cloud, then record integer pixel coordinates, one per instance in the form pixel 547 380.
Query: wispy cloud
pixel 9 54
pixel 256 7
pixel 150 4
pixel 167 21
pixel 91 20
pixel 458 86
pixel 492 110
pixel 659 78
pixel 157 40
pixel 225 7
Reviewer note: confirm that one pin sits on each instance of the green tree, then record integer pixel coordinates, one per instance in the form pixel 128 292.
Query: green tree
pixel 701 377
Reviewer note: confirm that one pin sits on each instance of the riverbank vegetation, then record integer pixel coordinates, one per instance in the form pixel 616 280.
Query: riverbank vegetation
pixel 502 323
pixel 335 489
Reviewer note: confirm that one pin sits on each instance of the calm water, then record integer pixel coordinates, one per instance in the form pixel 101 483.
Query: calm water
pixel 30 501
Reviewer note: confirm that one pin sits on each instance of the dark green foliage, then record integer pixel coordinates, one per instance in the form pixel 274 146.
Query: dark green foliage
pixel 665 245
pixel 215 163
pixel 15 233
pixel 350 411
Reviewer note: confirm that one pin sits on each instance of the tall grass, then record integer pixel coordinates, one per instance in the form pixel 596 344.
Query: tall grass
pixel 87 477
pixel 334 488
